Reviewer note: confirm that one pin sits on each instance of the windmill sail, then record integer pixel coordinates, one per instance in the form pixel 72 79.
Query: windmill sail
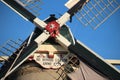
pixel 34 6
pixel 96 12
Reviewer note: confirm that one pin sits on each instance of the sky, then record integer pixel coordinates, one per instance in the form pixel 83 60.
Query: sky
pixel 105 40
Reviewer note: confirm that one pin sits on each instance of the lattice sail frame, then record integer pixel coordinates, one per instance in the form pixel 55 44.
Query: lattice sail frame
pixel 96 12
pixel 33 6
pixel 8 48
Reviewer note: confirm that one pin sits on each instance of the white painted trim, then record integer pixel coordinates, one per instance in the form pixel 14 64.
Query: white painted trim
pixel 113 61
pixel 2 58
pixel 63 19
pixel 39 23
pixel 71 3
pixel 43 37
pixel 51 48
pixel 30 37
pixel 63 41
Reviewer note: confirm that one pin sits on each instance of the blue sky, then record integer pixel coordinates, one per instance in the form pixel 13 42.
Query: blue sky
pixel 105 40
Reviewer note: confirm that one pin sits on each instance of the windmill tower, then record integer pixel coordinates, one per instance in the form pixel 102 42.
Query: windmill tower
pixel 51 49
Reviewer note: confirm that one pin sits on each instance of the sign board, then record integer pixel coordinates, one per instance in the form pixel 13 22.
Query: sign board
pixel 47 62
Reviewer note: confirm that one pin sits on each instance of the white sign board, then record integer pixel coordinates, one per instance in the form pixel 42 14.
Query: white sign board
pixel 47 62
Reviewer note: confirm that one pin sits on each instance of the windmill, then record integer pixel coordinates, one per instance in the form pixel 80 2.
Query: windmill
pixel 51 29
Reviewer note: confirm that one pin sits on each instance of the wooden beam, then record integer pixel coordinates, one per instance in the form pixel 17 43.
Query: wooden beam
pixel 3 58
pixel 112 61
